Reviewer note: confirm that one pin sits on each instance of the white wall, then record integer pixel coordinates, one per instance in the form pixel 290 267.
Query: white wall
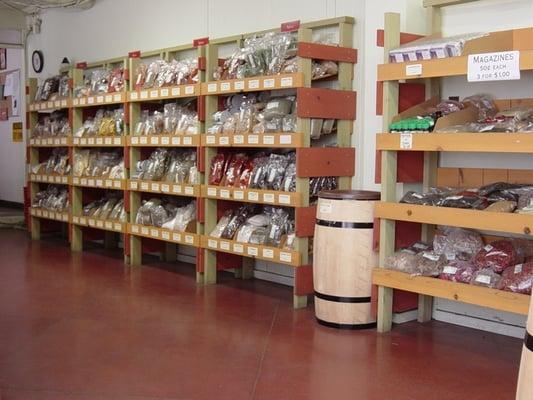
pixel 12 155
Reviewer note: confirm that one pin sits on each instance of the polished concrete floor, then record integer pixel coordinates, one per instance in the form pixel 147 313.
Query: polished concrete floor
pixel 84 326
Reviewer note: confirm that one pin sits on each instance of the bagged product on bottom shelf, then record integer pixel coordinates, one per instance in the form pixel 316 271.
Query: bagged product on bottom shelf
pixel 97 163
pixel 518 279
pixel 52 198
pixel 458 271
pixel 56 164
pixel 108 208
pixel 486 277
pixel 166 213
pixel 499 255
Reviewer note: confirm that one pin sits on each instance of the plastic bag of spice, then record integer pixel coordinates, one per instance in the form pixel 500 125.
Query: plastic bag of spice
pixel 458 271
pixel 457 243
pixel 518 278
pixel 499 255
pixel 485 277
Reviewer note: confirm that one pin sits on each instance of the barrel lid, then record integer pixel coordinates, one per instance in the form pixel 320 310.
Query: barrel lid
pixel 349 195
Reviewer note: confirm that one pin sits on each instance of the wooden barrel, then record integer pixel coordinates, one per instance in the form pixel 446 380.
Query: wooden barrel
pixel 343 258
pixel 525 377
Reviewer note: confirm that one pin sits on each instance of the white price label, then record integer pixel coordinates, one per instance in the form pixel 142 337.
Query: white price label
pixel 189 239
pixel 176 141
pixel 117 140
pixel 189 190
pixel 90 100
pixel 108 98
pixel 224 140
pixel 63 103
pixel 252 251
pixel 144 94
pixel 268 83
pixel 118 226
pixel 154 140
pixel 90 182
pixel 165 140
pixel 176 189
pixel 154 233
pixel 212 243
pixel 99 183
pixel 187 140
pixel 83 101
pixel 238 195
pixel 225 86
pixel 268 197
pixel 253 196
pixel 485 279
pixel 406 140
pixel 144 185
pixel 135 229
pixel 108 141
pixel 239 85
pixel 253 139
pixel 108 183
pixel 144 230
pixel 100 141
pixel 117 97
pixel 108 225
pixel 143 140
pixel 224 246
pixel 285 257
pixel 211 87
pixel 99 99
pixel 210 139
pixel 238 139
pixel 133 185
pixel 175 91
pixel 268 253
pixel 211 191
pixel 155 187
pixel 287 81
pixel 238 248
pixel 165 235
pixel 100 224
pixel 176 237
pixel 253 84
pixel 268 139
pixel 117 184
pixel 500 66
pixel 224 193
pixel 285 139
pixel 413 70
pixel 284 199
pixel 90 141
pixel 164 92
pixel 154 94
pixel 165 188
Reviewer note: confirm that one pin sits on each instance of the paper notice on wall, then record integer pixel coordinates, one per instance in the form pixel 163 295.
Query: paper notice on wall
pixel 12 85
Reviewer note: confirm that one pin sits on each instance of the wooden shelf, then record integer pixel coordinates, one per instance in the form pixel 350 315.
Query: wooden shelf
pixel 272 197
pixel 253 84
pixel 461 142
pixel 289 140
pixel 164 140
pixel 187 238
pixel 99 100
pixel 106 225
pixel 164 187
pixel 59 179
pixel 163 93
pixel 471 294
pixel 100 182
pixel 274 254
pixel 452 66
pixel 473 219
pixel 99 141
pixel 51 142
pixel 48 214
pixel 50 105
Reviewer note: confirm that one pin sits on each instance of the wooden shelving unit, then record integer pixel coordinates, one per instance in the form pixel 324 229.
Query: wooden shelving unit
pixel 313 102
pixel 137 146
pixel 38 149
pixel 84 189
pixel 389 211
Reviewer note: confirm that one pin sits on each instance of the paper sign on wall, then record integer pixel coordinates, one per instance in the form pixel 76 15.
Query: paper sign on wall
pixel 500 66
pixel 16 132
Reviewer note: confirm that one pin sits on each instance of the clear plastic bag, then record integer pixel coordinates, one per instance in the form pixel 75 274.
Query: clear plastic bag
pixel 457 243
pixel 485 277
pixel 499 255
pixel 404 261
pixel 458 271
pixel 518 279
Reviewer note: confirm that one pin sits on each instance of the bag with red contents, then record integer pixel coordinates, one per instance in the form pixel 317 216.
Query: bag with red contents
pixel 233 170
pixel 246 173
pixel 499 255
pixel 218 168
pixel 458 271
pixel 518 279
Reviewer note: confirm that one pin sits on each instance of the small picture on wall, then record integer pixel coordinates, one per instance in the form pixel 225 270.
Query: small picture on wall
pixel 3 59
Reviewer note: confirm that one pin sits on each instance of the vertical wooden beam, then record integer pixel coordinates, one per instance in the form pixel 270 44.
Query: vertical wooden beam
pixel 302 184
pixel 247 271
pixel 211 106
pixel 76 208
pixel 431 162
pixel 388 173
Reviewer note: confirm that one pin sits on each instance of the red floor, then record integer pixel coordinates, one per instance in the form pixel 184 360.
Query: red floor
pixel 87 327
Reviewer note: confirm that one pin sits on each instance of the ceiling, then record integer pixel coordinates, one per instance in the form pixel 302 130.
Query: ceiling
pixel 35 6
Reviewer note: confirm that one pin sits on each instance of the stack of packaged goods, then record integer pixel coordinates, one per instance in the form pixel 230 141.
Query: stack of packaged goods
pixel 169 165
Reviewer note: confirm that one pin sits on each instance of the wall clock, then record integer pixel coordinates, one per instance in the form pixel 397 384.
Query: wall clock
pixel 37 61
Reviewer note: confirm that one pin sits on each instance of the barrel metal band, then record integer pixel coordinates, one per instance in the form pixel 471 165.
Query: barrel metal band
pixel 348 225
pixel 340 299
pixel 346 326
pixel 528 341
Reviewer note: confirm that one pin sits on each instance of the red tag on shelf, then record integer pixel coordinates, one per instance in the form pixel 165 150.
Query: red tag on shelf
pixel 200 41
pixel 81 65
pixel 290 26
pixel 134 54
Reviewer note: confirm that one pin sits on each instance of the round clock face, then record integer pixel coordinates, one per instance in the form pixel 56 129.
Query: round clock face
pixel 37 61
